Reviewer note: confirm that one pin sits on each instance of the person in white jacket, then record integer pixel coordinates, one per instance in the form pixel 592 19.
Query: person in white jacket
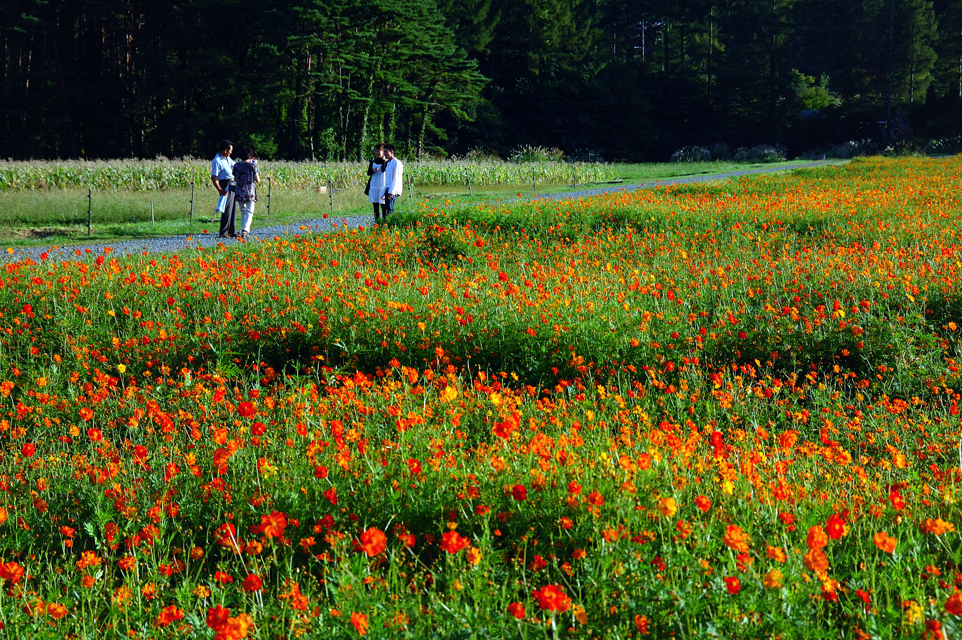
pixel 393 179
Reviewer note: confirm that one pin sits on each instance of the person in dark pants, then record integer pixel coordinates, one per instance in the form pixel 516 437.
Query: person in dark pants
pixel 375 181
pixel 221 175
pixel 393 180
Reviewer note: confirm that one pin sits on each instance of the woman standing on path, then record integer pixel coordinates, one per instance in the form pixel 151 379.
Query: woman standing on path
pixel 221 174
pixel 375 181
pixel 246 177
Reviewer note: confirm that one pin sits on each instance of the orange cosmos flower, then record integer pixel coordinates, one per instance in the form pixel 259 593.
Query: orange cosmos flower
pixel 954 604
pixel 56 610
pixel 733 585
pixel 373 542
pixel 168 615
pixel 11 571
pixel 642 624
pixel 836 527
pixel 217 617
pixel 735 538
pixel 938 526
pixel 816 538
pixel 516 609
pixel 884 541
pixel 552 597
pixel 816 561
pixel 452 542
pixel 703 503
pixel 773 579
pixel 273 524
pixel 360 623
pixel 252 583
pixel 667 507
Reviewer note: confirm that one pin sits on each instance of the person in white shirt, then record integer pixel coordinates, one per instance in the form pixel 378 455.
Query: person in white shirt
pixel 221 174
pixel 393 179
pixel 375 181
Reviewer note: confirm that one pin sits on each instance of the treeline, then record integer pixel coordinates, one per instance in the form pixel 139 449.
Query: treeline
pixel 619 79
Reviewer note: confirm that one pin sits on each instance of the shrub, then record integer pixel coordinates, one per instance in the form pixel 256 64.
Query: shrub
pixel 944 146
pixel 761 153
pixel 527 153
pixel 691 154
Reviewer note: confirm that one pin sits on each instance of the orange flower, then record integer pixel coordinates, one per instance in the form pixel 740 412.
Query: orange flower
pixel 273 525
pixel 884 541
pixel 776 553
pixel 735 538
pixel 516 609
pixel 373 542
pixel 56 610
pixel 816 561
pixel 452 542
pixel 703 503
pixel 954 604
pixel 773 579
pixel 642 624
pixel 168 615
pixel 360 623
pixel 733 585
pixel 552 598
pixel 252 583
pixel 667 507
pixel 816 538
pixel 11 571
pixel 836 527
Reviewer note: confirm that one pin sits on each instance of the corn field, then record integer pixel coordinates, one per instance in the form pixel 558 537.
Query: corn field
pixel 160 174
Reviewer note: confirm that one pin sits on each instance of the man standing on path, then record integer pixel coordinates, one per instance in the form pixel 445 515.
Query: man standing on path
pixel 221 175
pixel 393 179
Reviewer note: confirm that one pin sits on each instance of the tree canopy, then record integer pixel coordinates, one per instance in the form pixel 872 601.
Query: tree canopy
pixel 326 79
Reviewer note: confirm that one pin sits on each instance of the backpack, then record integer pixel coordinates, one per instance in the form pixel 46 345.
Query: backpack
pixel 244 181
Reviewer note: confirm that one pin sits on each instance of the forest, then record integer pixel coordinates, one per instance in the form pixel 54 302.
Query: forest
pixel 626 80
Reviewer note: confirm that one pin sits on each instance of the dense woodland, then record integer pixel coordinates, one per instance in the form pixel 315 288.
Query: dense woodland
pixel 618 79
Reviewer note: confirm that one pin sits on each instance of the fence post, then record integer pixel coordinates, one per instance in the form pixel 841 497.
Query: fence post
pixel 90 202
pixel 330 193
pixel 268 196
pixel 153 222
pixel 191 202
pixel 470 192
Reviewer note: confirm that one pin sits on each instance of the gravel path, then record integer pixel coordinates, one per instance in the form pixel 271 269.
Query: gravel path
pixel 173 244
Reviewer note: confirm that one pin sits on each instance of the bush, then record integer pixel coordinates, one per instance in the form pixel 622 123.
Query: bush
pixel 691 154
pixel 944 146
pixel 720 151
pixel 527 153
pixel 761 153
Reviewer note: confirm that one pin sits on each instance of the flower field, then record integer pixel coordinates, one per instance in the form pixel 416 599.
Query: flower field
pixel 722 411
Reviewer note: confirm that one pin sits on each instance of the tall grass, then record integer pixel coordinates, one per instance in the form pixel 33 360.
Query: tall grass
pixel 153 175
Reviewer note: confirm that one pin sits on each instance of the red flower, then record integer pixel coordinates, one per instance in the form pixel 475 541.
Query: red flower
pixel 252 583
pixel 168 615
pixel 733 584
pixel 217 617
pixel 703 503
pixel 519 493
pixel 331 495
pixel 954 604
pixel 452 542
pixel 516 609
pixel 28 450
pixel 835 527
pixel 11 571
pixel 273 525
pixel 246 409
pixel 373 542
pixel 552 598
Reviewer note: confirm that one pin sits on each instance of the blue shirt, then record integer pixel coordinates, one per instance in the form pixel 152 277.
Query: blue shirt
pixel 222 167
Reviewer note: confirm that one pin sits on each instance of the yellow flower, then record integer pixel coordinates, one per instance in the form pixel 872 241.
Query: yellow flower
pixel 449 394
